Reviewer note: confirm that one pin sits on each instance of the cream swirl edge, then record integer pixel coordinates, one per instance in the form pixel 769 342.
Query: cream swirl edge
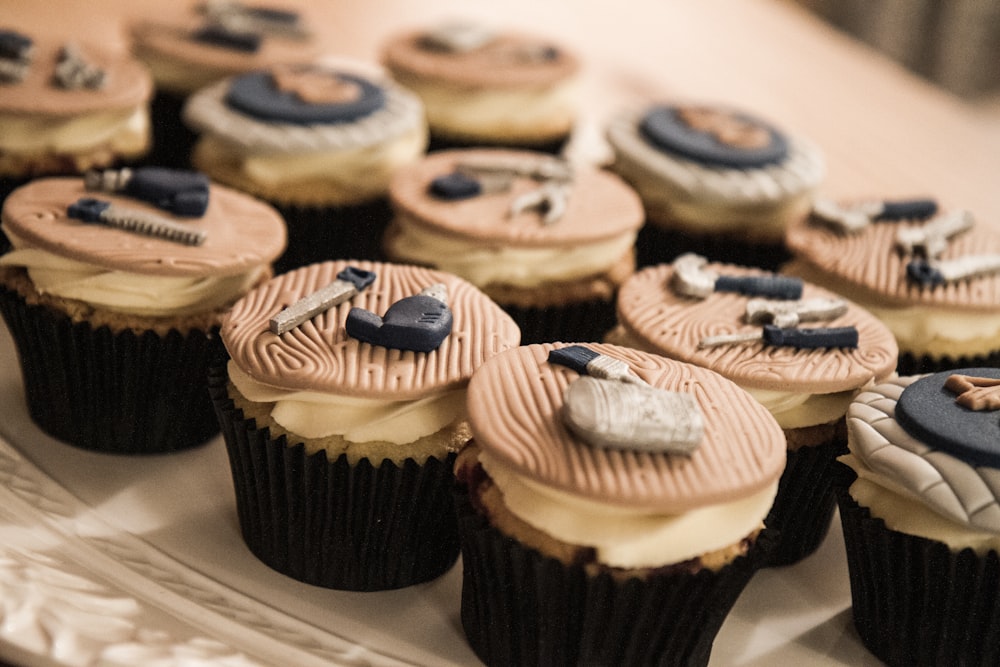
pixel 482 265
pixel 126 131
pixel 799 173
pixel 912 487
pixel 789 409
pixel 628 537
pixel 207 112
pixel 313 414
pixel 124 291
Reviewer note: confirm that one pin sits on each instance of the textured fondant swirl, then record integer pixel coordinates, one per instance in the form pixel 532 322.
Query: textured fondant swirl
pixel 516 398
pixel 241 232
pixel 963 493
pixel 652 312
pixel 600 206
pixel 869 262
pixel 319 356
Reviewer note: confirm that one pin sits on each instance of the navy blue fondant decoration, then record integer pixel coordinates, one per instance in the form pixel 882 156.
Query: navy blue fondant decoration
pixel 923 272
pixel 574 357
pixel 248 42
pixel 14 45
pixel 928 411
pixel 772 286
pixel 455 186
pixel 87 209
pixel 907 209
pixel 179 191
pixel 419 323
pixel 714 145
pixel 813 338
pixel 257 95
pixel 273 14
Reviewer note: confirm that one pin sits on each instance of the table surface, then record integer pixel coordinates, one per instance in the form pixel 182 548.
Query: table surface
pixel 885 134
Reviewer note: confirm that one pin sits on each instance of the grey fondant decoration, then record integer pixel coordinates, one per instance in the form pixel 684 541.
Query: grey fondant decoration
pixel 134 220
pixel 692 278
pixel 176 190
pixel 349 282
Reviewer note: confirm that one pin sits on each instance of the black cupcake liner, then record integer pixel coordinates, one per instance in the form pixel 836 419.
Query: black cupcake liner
pixel 445 143
pixel 803 507
pixel 328 523
pixel 172 140
pixel 910 364
pixel 915 601
pixel 522 608
pixel 122 393
pixel 317 234
pixel 582 321
pixel 658 245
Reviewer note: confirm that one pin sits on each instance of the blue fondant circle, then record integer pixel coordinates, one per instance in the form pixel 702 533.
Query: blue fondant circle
pixel 928 411
pixel 662 126
pixel 255 94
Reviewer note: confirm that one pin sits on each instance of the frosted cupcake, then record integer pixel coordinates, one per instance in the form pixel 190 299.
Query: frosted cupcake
pixel 610 506
pixel 714 181
pixel 550 244
pixel 114 300
pixel 921 518
pixel 321 144
pixel 487 87
pixel 342 426
pixel 800 350
pixel 933 277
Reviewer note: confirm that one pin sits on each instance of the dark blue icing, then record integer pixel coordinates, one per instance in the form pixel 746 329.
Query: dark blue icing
pixel 87 209
pixel 179 191
pixel 663 127
pixel 908 209
pixel 575 357
pixel 772 286
pixel 923 272
pixel 419 323
pixel 455 186
pixel 358 277
pixel 928 412
pixel 248 42
pixel 14 45
pixel 255 94
pixel 812 338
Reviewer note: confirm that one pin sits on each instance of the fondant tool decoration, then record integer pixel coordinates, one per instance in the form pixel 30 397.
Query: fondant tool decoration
pixel 219 35
pixel 419 323
pixel 714 137
pixel 929 411
pixel 178 191
pixel 803 339
pixel 934 272
pixel 855 217
pixel 975 393
pixel 134 220
pixel 550 198
pixel 931 238
pixel 455 186
pixel 16 52
pixel 73 71
pixel 238 18
pixel 457 37
pixel 349 283
pixel 792 313
pixel 691 278
pixel 612 408
pixel 283 96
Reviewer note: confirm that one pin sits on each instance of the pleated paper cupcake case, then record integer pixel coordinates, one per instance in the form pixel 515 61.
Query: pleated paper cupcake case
pixel 915 601
pixel 122 393
pixel 328 523
pixel 522 608
pixel 910 364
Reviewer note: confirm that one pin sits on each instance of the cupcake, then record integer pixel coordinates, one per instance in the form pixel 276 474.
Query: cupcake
pixel 921 518
pixel 932 277
pixel 189 48
pixel 610 506
pixel 66 107
pixel 342 428
pixel 549 243
pixel 763 332
pixel 714 181
pixel 320 144
pixel 114 300
pixel 488 87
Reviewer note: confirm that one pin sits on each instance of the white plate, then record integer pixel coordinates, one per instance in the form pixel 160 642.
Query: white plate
pixel 138 560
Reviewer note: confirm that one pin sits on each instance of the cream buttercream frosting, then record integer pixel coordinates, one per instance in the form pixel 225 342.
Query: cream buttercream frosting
pixel 914 487
pixel 125 132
